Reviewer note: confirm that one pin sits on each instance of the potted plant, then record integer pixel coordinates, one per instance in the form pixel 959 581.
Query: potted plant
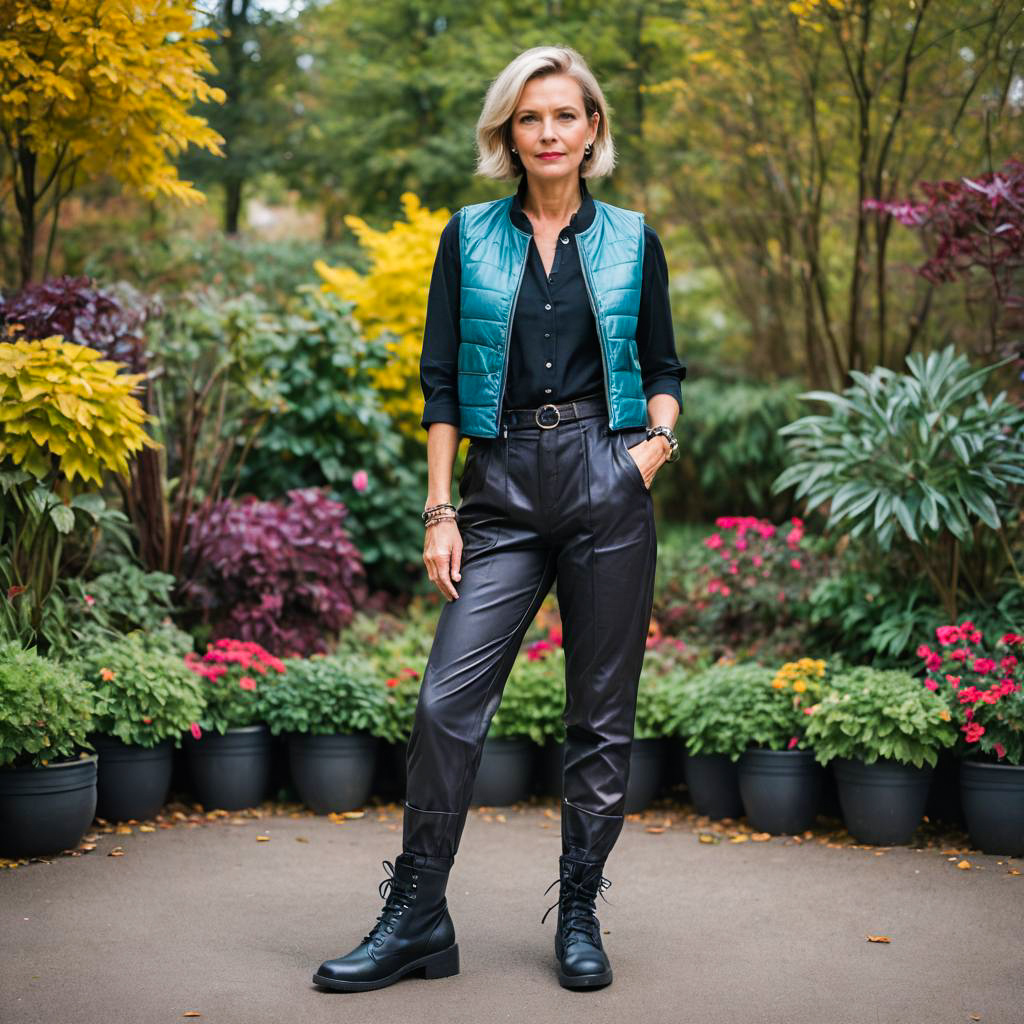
pixel 530 712
pixel 658 695
pixel 393 652
pixel 881 731
pixel 780 781
pixel 146 698
pixel 229 748
pixel 706 716
pixel 47 781
pixel 333 713
pixel 981 684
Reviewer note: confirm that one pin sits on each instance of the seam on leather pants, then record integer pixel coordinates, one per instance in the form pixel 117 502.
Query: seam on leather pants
pixel 487 697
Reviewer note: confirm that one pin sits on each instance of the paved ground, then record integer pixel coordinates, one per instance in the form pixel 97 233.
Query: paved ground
pixel 201 915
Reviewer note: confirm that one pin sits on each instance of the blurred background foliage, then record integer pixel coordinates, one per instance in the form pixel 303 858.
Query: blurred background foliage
pixel 278 321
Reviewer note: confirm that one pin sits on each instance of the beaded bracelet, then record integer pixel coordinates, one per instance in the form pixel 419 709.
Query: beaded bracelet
pixel 434 520
pixel 434 508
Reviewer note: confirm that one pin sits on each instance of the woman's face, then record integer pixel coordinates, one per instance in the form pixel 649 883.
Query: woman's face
pixel 550 127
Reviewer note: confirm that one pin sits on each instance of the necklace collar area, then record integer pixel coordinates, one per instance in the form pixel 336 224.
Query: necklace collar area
pixel 579 221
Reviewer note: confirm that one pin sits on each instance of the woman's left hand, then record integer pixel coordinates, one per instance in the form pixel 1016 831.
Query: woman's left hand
pixel 650 456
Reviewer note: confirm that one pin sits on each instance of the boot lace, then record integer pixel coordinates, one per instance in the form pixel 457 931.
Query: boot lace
pixel 578 909
pixel 397 898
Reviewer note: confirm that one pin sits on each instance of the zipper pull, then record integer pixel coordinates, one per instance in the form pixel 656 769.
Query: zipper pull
pixel 506 431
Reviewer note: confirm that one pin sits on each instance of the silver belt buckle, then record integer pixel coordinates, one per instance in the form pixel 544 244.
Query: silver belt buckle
pixel 547 426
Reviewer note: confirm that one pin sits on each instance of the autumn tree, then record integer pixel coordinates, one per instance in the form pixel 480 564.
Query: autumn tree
pixel 91 88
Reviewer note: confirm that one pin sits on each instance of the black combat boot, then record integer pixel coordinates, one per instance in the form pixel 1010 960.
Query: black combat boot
pixel 413 932
pixel 582 962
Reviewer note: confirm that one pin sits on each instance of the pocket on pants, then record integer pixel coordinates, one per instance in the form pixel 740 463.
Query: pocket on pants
pixel 622 440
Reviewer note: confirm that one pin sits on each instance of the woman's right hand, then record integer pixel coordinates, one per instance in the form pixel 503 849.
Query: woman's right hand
pixel 442 555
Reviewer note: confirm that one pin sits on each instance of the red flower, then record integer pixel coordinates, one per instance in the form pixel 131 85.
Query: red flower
pixel 933 662
pixel 931 684
pixel 960 654
pixel 792 742
pixel 555 635
pixel 247 683
pixel 983 665
pixel 974 731
pixel 196 731
pixel 536 650
pixel 393 682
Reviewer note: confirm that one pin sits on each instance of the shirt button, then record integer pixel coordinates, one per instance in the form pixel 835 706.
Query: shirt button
pixel 547 305
pixel 547 335
pixel 547 391
pixel 548 365
pixel 565 241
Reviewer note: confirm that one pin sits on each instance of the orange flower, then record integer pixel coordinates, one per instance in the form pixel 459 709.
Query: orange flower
pixel 106 675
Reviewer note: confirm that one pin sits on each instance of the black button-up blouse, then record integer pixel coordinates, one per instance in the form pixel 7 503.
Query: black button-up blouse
pixel 554 354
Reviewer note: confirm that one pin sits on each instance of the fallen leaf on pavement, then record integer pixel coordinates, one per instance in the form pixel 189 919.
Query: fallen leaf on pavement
pixel 654 828
pixel 761 837
pixel 117 851
pixel 879 938
pixel 739 839
pixel 964 865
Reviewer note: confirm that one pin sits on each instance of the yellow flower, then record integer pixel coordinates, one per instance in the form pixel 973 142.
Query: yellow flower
pixel 799 686
pixel 944 714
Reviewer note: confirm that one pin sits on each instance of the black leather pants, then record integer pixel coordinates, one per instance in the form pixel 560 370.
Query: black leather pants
pixel 567 504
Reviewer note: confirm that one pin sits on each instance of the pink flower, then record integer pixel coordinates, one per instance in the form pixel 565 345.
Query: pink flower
pixel 953 681
pixel 793 537
pixel 741 544
pixel 555 636
pixel 714 541
pixel 726 590
pixel 931 684
pixel 90 600
pixel 976 637
pixel 1000 750
pixel 536 650
pixel 969 695
pixel 757 560
pixel 974 731
pixel 983 665
pixel 1011 639
pixel 795 563
pixel 782 595
pixel 947 635
pixel 992 696
pixel 792 743
pixel 923 650
pixel 360 480
pixel 766 530
pixel 960 654
pixel 933 662
pixel 1008 663
pixel 734 568
pixel 196 731
pixel 247 683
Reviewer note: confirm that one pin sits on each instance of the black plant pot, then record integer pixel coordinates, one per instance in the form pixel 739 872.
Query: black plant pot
pixel 549 769
pixel 646 769
pixel 230 772
pixel 993 801
pixel 714 785
pixel 675 766
pixel 48 809
pixel 944 802
pixel 132 780
pixel 506 767
pixel 780 789
pixel 333 772
pixel 882 802
pixel 389 780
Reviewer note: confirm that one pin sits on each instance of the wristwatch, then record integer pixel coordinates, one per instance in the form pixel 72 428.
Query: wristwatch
pixel 666 433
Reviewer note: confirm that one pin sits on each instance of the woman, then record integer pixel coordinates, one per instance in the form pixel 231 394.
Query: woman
pixel 549 343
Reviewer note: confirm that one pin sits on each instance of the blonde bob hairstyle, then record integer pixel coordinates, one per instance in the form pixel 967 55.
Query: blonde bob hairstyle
pixel 494 126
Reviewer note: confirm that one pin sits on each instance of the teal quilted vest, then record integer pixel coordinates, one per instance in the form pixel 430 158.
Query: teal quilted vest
pixel 493 253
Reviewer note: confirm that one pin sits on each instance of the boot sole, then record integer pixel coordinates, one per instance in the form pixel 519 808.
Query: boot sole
pixel 584 980
pixel 444 964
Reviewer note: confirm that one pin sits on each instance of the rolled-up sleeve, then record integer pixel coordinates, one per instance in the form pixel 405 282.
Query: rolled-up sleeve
pixel 439 357
pixel 660 367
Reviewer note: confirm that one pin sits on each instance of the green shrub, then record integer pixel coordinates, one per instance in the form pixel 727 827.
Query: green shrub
pixel 145 693
pixel 870 713
pixel 922 460
pixel 324 695
pixel 46 709
pixel 534 698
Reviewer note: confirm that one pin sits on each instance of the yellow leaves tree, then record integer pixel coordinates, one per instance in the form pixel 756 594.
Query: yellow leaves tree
pixel 391 300
pixel 94 87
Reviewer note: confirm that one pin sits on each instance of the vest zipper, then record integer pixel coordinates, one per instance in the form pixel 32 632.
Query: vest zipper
pixel 584 263
pixel 508 336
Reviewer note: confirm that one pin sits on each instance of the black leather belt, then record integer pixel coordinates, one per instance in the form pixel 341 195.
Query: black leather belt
pixel 548 416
